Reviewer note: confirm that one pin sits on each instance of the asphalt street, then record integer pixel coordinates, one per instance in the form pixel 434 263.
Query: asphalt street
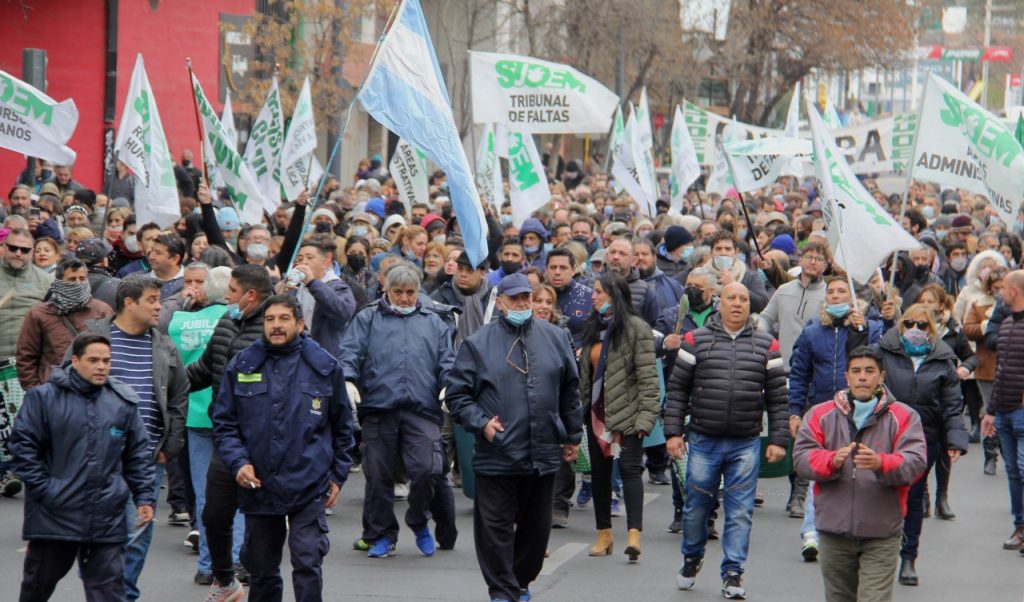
pixel 960 559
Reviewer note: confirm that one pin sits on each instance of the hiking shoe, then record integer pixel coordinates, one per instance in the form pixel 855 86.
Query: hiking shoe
pixel 425 542
pixel 687 575
pixel 732 587
pixel 676 526
pixel 241 573
pixel 810 550
pixel 225 593
pixel 178 518
pixel 585 495
pixel 203 578
pixel 192 541
pixel 382 549
pixel 361 545
pixel 10 485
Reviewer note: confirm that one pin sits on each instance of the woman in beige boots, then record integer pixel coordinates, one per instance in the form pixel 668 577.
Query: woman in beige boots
pixel 619 391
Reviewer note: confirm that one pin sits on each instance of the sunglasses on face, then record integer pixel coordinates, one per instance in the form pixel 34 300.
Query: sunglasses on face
pixel 15 249
pixel 920 324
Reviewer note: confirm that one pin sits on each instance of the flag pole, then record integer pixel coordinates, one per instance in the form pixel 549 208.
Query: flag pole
pixel 199 122
pixel 910 180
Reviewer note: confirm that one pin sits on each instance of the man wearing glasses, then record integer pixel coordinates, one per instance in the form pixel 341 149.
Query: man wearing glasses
pixel 515 386
pixel 22 285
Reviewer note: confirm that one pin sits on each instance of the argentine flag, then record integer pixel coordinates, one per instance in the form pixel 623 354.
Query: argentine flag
pixel 405 92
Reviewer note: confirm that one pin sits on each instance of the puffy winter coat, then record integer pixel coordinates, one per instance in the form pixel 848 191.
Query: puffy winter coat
pixel 398 362
pixel 817 368
pixel 45 337
pixel 231 336
pixel 861 503
pixel 668 290
pixel 933 389
pixel 81 457
pixel 1008 389
pixel 644 297
pixel 288 414
pixel 726 384
pixel 20 291
pixel 540 410
pixel 631 393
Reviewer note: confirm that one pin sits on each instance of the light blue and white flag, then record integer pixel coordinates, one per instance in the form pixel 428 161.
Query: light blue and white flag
pixel 405 92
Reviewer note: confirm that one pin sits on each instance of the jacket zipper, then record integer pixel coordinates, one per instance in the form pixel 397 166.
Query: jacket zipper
pixel 835 358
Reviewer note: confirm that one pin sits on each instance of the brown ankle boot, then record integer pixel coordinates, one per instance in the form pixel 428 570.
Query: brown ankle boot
pixel 603 547
pixel 633 545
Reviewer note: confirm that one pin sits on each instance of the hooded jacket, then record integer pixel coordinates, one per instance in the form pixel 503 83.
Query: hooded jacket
pixel 81 457
pixel 861 504
pixel 789 310
pixel 975 323
pixel 972 292
pixel 669 291
pixel 45 337
pixel 933 389
pixel 643 296
pixel 725 384
pixel 818 366
pixel 20 291
pixel 540 410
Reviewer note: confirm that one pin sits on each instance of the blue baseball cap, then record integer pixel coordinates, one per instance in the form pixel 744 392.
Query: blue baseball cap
pixel 514 284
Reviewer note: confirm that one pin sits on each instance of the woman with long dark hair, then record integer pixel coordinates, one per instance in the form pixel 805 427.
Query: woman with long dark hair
pixel 620 396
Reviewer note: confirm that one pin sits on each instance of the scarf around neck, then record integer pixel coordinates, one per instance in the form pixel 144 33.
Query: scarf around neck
pixel 69 297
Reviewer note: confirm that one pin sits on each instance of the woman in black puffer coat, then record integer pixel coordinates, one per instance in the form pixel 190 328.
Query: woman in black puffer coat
pixel 920 371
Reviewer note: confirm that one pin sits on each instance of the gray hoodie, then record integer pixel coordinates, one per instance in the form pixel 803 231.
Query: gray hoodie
pixel 788 311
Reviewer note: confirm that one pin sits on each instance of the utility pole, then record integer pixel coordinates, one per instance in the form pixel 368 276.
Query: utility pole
pixel 988 42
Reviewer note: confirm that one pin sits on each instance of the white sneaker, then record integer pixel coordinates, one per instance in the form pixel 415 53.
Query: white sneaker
pixel 810 549
pixel 192 541
pixel 225 593
pixel 401 491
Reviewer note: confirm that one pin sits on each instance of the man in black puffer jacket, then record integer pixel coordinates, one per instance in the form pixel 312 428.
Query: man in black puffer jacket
pixel 726 375
pixel 240 327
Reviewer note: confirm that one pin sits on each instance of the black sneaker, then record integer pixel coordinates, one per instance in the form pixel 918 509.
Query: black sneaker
pixel 676 526
pixel 732 587
pixel 241 574
pixel 203 579
pixel 687 575
pixel 10 485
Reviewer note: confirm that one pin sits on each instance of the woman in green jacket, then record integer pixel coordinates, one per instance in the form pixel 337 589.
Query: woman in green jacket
pixel 619 392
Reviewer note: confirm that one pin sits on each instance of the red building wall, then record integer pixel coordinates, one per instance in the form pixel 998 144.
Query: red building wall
pixel 74 36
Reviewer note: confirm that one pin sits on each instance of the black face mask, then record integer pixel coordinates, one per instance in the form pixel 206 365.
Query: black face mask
pixel 695 297
pixel 920 272
pixel 581 239
pixel 323 227
pixel 356 262
pixel 511 267
pixel 416 221
pixel 646 273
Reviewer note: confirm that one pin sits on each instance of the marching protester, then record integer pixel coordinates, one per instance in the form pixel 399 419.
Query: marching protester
pixel 515 386
pixel 77 485
pixel 978 316
pixel 22 286
pixel 288 452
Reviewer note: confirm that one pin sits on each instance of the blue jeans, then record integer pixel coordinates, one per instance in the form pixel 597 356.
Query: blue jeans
pixel 1010 430
pixel 200 448
pixel 139 539
pixel 807 529
pixel 709 461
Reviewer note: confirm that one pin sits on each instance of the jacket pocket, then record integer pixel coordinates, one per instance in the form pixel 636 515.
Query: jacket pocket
pixel 248 390
pixel 314 403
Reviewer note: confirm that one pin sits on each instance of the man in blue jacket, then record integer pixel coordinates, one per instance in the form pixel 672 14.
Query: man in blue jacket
pixel 327 301
pixel 283 426
pixel 515 385
pixel 397 354
pixel 81 449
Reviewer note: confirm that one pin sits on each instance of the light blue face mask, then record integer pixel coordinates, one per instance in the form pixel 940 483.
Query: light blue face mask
pixel 360 230
pixel 505 220
pixel 837 310
pixel 403 309
pixel 723 262
pixel 604 308
pixel 687 251
pixel 233 311
pixel 518 317
pixel 531 249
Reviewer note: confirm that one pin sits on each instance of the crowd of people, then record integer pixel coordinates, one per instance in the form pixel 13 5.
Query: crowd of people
pixel 255 366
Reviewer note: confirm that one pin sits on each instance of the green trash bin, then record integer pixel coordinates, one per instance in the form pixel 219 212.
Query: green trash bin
pixel 464 443
pixel 779 469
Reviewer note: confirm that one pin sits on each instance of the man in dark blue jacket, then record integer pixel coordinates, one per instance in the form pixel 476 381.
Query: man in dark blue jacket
pixel 81 449
pixel 283 426
pixel 326 299
pixel 397 355
pixel 515 385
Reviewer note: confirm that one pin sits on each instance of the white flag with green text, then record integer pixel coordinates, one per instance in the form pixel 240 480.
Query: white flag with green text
pixel 643 154
pixel 488 169
pixel 409 169
pixel 299 146
pixel 528 182
pixel 263 149
pixel 685 169
pixel 34 124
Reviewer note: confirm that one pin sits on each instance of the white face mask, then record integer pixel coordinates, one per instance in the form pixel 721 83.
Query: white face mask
pixel 723 262
pixel 131 244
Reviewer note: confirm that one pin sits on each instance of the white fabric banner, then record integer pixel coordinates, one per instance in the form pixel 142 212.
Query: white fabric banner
pixel 234 173
pixel 870 234
pixel 409 169
pixel 793 166
pixel 685 169
pixel 643 155
pixel 539 97
pixel 488 169
pixel 528 182
pixel 263 149
pixel 34 124
pixel 142 147
pixel 227 119
pixel 962 145
pixel 299 146
pixel 757 163
pixel 624 160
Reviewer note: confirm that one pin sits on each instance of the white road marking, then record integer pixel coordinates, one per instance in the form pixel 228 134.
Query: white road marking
pixel 561 556
pixel 648 498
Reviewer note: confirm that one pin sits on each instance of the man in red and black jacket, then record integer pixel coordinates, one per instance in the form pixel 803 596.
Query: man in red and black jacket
pixel 863 449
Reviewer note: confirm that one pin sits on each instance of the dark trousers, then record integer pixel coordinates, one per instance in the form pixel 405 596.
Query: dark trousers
pixel 180 496
pixel 631 468
pixel 915 508
pixel 657 459
pixel 442 510
pixel 386 437
pixel 101 566
pixel 511 525
pixel 306 532
pixel 219 518
pixel 565 486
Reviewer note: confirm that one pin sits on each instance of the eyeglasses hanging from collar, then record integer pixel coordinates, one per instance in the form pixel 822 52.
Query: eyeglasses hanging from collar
pixel 525 368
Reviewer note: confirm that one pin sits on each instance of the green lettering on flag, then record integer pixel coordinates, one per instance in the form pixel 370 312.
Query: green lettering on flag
pixel 520 74
pixel 520 165
pixel 32 106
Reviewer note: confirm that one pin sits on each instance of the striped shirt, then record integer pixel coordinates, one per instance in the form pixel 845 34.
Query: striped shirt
pixel 131 362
